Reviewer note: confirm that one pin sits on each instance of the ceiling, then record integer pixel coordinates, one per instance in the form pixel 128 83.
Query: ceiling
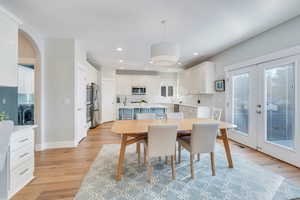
pixel 203 26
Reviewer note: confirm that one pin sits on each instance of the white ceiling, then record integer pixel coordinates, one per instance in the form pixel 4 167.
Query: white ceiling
pixel 203 26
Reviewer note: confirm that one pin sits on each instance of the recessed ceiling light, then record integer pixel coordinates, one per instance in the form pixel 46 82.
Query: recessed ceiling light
pixel 179 63
pixel 195 54
pixel 121 61
pixel 119 49
pixel 151 62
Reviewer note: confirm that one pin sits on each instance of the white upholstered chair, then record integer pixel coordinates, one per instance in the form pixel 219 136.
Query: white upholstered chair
pixel 175 115
pixel 161 141
pixel 216 113
pixel 202 140
pixel 143 116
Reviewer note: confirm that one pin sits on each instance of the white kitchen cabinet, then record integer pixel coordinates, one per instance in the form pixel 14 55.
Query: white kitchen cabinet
pixel 21 158
pixel 197 80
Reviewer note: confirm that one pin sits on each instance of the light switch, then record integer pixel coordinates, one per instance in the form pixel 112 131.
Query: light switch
pixel 67 101
pixel 3 101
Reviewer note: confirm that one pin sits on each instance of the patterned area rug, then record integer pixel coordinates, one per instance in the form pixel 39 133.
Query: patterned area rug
pixel 247 181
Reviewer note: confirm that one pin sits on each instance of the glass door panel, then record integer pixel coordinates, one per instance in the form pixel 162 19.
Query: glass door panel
pixel 280 105
pixel 241 102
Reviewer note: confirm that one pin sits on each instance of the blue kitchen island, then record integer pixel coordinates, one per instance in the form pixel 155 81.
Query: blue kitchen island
pixel 129 112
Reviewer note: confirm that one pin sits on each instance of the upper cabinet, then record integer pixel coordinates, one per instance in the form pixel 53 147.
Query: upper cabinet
pixel 197 80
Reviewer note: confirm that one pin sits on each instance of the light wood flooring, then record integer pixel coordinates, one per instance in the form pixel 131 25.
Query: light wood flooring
pixel 59 172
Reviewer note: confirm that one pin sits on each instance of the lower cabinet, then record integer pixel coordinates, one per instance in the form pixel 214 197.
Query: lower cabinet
pixel 195 111
pixel 21 159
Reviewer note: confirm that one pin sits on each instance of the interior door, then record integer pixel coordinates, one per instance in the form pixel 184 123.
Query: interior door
pixel 108 100
pixel 279 100
pixel 241 103
pixel 81 110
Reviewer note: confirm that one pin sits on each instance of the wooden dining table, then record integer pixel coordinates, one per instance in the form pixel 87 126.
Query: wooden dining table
pixel 133 131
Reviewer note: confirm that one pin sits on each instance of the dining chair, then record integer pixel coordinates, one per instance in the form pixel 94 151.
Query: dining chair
pixel 216 113
pixel 174 115
pixel 143 116
pixel 202 140
pixel 160 142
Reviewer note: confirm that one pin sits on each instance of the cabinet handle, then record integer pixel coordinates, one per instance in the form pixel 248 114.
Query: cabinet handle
pixel 23 155
pixel 24 140
pixel 23 172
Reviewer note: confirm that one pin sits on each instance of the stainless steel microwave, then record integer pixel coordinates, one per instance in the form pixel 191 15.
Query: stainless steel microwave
pixel 138 91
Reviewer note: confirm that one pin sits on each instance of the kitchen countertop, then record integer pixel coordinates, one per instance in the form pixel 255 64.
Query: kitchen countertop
pixel 19 128
pixel 190 105
pixel 142 105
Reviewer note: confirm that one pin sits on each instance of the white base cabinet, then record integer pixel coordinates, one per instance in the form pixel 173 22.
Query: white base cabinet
pixel 21 158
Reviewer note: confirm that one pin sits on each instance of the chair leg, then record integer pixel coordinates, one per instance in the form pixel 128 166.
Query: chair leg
pixel 213 166
pixel 198 157
pixel 192 165
pixel 138 150
pixel 149 171
pixel 173 167
pixel 175 156
pixel 179 153
pixel 145 154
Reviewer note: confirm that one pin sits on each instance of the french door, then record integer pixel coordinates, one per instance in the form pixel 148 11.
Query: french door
pixel 263 102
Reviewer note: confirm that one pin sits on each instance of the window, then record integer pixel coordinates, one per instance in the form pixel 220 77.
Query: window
pixel 167 91
pixel 163 91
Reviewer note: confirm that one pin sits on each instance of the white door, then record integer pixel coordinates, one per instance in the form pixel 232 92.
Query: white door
pixel 279 100
pixel 241 101
pixel 263 102
pixel 108 100
pixel 81 110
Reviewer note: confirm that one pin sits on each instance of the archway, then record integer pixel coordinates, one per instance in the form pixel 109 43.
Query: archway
pixel 29 55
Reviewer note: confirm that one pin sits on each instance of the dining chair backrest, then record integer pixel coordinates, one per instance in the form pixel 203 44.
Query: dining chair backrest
pixel 216 113
pixel 6 128
pixel 161 140
pixel 203 137
pixel 141 116
pixel 175 115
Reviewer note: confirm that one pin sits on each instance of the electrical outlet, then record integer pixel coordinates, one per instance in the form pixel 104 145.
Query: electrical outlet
pixel 3 101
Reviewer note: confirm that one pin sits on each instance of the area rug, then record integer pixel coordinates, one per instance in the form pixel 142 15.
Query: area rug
pixel 246 181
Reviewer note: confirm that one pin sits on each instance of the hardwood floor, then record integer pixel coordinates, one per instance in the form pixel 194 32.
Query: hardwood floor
pixel 59 172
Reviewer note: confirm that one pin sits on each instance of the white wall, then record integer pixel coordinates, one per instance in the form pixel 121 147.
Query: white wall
pixel 283 36
pixel 8 50
pixel 59 91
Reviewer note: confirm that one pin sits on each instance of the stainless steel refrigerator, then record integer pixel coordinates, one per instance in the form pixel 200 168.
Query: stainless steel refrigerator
pixel 93 109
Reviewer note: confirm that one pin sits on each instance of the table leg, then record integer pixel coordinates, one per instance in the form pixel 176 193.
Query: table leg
pixel 227 147
pixel 121 158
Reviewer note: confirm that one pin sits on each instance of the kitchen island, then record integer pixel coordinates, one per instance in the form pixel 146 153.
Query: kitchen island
pixel 128 112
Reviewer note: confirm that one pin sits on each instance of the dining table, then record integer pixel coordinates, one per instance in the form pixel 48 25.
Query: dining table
pixel 133 131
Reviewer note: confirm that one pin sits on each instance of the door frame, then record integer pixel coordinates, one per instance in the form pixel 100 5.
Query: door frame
pixel 293 52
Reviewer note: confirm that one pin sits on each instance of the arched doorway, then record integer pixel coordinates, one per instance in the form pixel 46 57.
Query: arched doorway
pixel 29 56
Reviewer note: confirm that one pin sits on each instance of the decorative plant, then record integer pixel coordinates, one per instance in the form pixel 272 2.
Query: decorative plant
pixel 3 116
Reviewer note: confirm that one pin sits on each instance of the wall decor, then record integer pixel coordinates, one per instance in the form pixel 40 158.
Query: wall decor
pixel 220 85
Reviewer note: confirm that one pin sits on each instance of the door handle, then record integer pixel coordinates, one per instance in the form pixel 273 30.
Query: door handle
pixel 258 111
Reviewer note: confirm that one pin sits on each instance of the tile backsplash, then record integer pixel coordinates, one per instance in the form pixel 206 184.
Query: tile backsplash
pixel 9 102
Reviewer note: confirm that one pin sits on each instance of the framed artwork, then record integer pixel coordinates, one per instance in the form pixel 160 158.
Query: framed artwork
pixel 220 85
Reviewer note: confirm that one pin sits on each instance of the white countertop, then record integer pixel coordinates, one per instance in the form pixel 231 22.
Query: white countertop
pixel 18 128
pixel 142 105
pixel 190 105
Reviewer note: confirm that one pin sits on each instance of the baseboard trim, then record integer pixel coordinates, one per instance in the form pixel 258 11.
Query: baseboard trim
pixel 55 145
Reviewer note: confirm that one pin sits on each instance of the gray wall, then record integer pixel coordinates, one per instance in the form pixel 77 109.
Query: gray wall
pixel 281 37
